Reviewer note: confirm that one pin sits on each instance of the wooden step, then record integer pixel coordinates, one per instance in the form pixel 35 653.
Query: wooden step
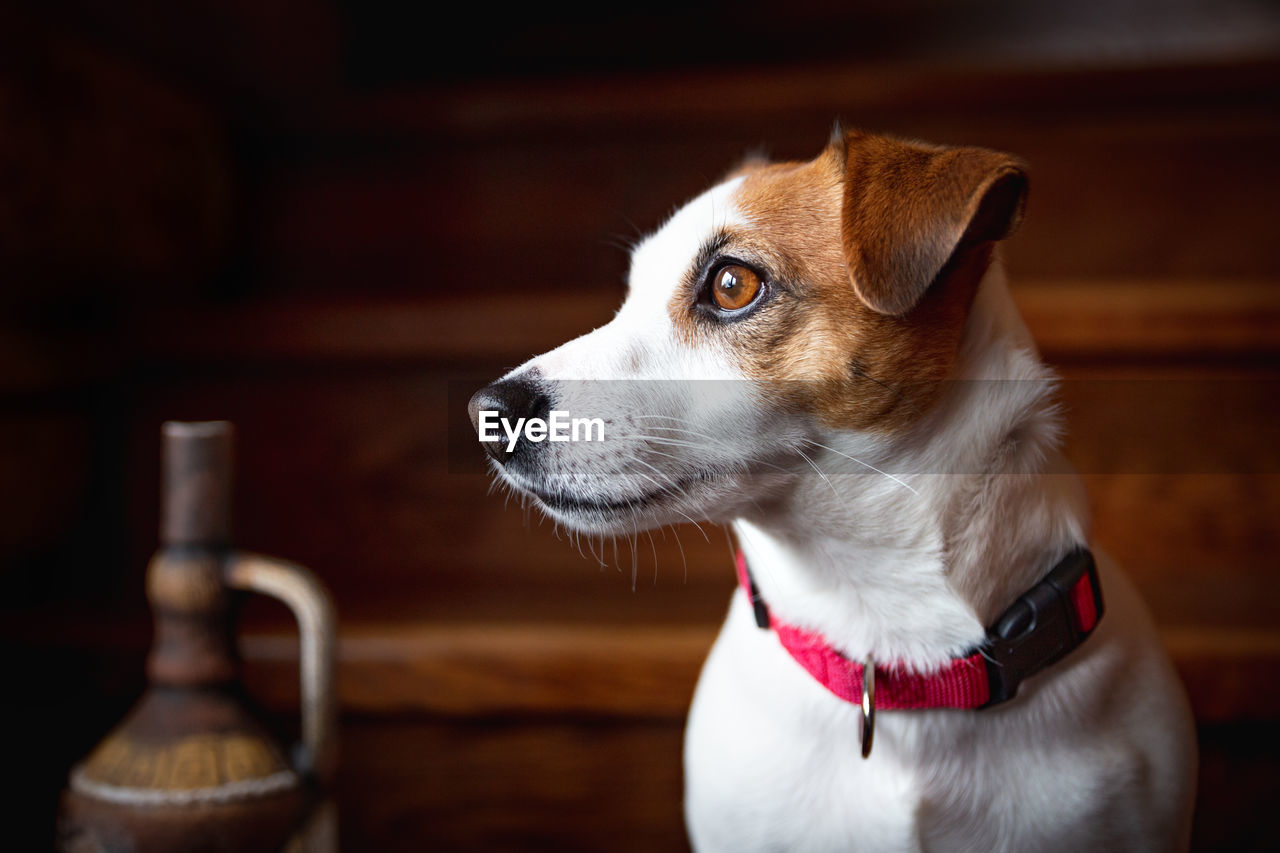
pixel 644 671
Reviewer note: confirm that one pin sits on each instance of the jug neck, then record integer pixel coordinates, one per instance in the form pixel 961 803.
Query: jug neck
pixel 191 607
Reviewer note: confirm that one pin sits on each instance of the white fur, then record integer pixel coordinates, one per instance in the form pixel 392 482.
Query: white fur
pixel 901 548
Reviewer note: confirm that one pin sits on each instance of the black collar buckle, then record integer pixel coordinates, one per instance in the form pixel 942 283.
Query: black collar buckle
pixel 1040 628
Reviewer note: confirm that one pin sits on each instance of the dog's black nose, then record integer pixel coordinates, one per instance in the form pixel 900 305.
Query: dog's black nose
pixel 506 402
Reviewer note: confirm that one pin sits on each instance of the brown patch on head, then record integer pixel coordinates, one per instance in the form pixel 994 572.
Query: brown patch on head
pixel 792 245
pixel 876 248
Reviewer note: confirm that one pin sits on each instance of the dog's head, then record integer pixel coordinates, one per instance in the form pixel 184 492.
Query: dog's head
pixel 791 307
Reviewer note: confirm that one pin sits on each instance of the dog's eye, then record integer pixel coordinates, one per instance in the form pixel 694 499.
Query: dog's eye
pixel 734 287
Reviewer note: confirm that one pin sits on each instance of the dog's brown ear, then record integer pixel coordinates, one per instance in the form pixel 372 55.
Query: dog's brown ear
pixel 908 210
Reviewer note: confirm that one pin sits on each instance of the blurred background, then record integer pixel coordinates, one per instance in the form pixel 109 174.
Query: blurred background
pixel 330 221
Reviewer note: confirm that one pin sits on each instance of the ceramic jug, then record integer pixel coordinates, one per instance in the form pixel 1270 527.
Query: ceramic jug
pixel 189 768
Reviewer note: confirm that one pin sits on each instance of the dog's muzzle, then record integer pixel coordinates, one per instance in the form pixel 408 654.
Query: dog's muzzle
pixel 513 399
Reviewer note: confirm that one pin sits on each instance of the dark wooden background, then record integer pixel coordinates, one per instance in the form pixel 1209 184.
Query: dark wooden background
pixel 329 221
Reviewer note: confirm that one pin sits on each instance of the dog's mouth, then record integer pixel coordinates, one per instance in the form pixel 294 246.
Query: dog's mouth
pixel 567 502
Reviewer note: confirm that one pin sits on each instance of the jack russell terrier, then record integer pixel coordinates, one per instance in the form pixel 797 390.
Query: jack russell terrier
pixel 825 355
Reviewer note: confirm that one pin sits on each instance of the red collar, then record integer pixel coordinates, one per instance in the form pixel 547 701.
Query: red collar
pixel 1042 626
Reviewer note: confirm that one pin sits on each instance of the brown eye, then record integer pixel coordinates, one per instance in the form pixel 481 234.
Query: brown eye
pixel 735 287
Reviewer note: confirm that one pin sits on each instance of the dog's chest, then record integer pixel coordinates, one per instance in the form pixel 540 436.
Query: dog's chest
pixel 773 762
pixel 770 764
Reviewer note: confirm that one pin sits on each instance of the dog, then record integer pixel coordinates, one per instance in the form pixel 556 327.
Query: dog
pixel 825 356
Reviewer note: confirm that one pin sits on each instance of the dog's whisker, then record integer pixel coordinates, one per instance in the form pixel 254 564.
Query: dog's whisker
pixel 635 558
pixel 815 467
pixel 620 241
pixel 653 548
pixel 699 433
pixel 673 509
pixel 591 549
pixel 667 455
pixel 675 418
pixel 661 486
pixel 694 523
pixel 685 421
pixel 683 561
pixel 747 465
pixel 660 439
pixel 864 464
pixel 692 432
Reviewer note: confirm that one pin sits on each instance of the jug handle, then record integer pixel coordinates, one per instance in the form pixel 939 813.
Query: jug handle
pixel 299 590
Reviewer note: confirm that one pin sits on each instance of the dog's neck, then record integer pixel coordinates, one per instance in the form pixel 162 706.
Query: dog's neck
pixel 909 568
